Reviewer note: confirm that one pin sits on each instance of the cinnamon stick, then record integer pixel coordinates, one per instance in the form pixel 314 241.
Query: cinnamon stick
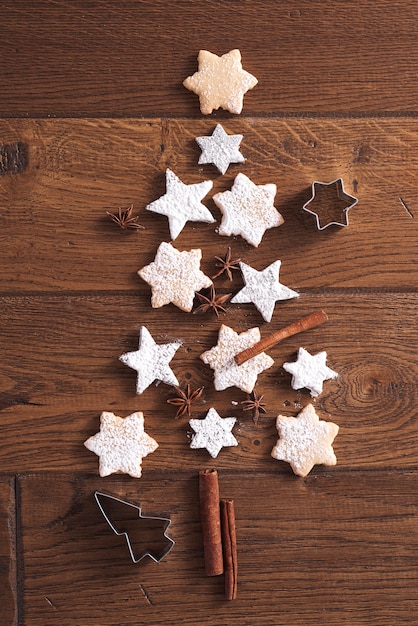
pixel 229 542
pixel 211 521
pixel 310 321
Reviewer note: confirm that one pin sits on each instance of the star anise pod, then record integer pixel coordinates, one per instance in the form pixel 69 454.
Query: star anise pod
pixel 213 302
pixel 226 264
pixel 255 404
pixel 125 219
pixel 184 400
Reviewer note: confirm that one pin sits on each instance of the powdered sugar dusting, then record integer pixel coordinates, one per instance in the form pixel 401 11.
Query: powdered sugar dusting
pixel 263 289
pixel 175 276
pixel 220 149
pixel 213 432
pixel 151 361
pixel 248 209
pixel 309 371
pixel 305 441
pixel 221 359
pixel 121 444
pixel 182 203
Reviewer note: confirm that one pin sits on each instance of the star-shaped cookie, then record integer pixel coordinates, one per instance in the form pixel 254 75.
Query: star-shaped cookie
pixel 151 361
pixel 213 433
pixel 121 444
pixel 305 441
pixel 309 371
pixel 220 149
pixel 248 209
pixel 263 289
pixel 220 82
pixel 175 276
pixel 182 203
pixel 221 359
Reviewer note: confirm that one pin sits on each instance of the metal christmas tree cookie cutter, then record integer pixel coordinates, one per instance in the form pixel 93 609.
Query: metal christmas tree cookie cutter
pixel 340 200
pixel 104 502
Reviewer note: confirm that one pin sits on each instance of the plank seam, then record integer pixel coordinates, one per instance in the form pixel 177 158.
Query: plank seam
pixel 19 555
pixel 147 115
pixel 325 291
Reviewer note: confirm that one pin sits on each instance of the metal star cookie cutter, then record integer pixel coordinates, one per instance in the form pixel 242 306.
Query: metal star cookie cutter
pixel 105 501
pixel 338 202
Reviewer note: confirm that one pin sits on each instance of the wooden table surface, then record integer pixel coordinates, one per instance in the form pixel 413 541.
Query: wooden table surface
pixel 93 111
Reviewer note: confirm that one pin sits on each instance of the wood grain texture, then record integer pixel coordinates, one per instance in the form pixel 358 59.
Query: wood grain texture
pixel 92 112
pixel 8 569
pixel 130 58
pixel 55 234
pixel 57 379
pixel 295 566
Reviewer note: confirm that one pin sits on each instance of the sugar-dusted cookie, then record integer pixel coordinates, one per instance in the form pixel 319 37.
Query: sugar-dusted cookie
pixel 248 210
pixel 121 444
pixel 182 203
pixel 220 149
pixel 263 289
pixel 309 371
pixel 220 82
pixel 213 432
pixel 221 359
pixel 151 361
pixel 175 276
pixel 305 441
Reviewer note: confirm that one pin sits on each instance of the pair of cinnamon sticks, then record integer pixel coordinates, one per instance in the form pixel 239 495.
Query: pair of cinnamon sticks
pixel 218 529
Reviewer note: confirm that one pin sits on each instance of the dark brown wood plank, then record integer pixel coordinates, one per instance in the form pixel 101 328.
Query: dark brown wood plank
pixel 340 546
pixel 60 370
pixel 55 234
pixel 8 572
pixel 130 58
